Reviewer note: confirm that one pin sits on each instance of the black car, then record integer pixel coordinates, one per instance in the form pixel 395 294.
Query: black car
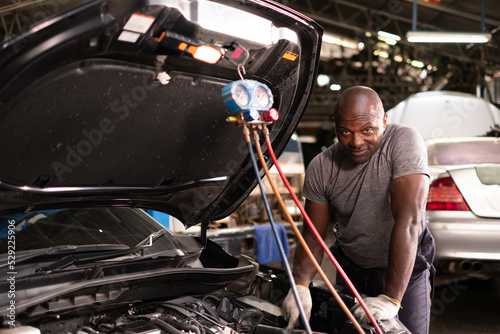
pixel 108 108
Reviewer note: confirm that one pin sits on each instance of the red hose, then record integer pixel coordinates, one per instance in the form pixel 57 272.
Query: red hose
pixel 301 239
pixel 316 234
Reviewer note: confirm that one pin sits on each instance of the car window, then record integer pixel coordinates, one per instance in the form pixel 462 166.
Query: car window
pixel 463 153
pixel 81 226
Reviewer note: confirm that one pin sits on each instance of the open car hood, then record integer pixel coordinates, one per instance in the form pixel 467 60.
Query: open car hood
pixel 101 105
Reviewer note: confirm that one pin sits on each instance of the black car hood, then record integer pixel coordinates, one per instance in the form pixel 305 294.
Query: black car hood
pixel 94 111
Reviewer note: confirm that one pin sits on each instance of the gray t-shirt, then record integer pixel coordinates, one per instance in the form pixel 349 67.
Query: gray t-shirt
pixel 360 194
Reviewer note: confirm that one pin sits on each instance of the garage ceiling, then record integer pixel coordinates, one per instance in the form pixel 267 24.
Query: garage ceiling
pixel 468 68
pixel 364 59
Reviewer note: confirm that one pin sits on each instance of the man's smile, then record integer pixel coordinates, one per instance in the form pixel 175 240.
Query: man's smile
pixel 358 151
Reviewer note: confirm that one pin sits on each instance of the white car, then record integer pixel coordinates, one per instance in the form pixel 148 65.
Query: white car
pixel 446 114
pixel 463 208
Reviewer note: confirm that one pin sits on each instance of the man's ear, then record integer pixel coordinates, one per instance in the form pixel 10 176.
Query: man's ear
pixel 385 120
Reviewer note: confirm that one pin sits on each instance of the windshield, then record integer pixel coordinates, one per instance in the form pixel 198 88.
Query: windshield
pixel 464 153
pixel 80 226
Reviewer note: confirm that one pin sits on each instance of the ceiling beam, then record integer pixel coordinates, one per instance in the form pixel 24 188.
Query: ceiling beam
pixel 326 19
pixel 383 13
pixel 18 5
pixel 457 12
pixel 459 55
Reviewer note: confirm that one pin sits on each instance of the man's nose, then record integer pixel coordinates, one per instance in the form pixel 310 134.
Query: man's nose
pixel 356 140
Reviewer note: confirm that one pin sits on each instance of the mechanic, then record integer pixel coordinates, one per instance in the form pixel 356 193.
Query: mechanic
pixel 374 182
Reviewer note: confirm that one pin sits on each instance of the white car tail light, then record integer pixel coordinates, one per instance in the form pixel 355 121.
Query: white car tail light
pixel 444 195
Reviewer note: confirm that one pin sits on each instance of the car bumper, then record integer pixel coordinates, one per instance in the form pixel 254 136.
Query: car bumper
pixel 465 242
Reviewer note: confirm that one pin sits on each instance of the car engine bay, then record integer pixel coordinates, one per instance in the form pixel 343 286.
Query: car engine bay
pixel 208 314
pixel 225 311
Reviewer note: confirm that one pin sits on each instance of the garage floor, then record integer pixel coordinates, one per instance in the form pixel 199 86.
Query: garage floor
pixel 467 307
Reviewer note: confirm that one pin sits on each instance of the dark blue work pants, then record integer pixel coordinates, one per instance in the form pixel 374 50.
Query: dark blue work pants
pixel 416 303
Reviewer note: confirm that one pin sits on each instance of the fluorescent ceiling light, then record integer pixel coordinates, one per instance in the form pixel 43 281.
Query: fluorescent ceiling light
pixel 388 35
pixel 335 87
pixel 338 40
pixel 390 41
pixel 446 37
pixel 383 54
pixel 417 64
pixel 389 38
pixel 323 80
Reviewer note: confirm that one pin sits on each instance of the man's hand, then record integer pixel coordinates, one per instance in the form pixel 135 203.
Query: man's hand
pixel 381 308
pixel 289 307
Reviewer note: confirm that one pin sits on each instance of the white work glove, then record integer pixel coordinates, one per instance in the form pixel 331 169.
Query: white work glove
pixel 289 307
pixel 381 307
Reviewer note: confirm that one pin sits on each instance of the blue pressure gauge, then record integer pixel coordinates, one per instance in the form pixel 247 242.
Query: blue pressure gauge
pixel 245 95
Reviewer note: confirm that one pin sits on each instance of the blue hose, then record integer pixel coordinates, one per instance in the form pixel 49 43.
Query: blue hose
pixel 305 321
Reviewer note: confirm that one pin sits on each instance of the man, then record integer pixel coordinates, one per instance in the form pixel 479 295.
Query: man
pixel 374 181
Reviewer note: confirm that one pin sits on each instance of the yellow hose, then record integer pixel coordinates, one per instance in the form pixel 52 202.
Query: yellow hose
pixel 299 235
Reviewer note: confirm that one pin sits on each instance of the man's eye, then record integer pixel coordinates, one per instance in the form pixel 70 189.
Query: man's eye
pixel 368 130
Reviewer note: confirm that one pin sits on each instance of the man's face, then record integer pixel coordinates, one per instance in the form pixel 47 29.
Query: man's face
pixel 360 132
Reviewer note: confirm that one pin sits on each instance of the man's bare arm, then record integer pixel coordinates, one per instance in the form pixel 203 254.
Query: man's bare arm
pixel 409 194
pixel 303 268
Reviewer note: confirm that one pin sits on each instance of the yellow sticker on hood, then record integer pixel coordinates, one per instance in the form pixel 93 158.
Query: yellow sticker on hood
pixel 290 56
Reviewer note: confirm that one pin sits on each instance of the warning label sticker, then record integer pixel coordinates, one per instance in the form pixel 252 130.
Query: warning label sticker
pixel 290 56
pixel 128 36
pixel 139 23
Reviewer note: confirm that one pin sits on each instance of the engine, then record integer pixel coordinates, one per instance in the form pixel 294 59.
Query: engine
pixel 221 313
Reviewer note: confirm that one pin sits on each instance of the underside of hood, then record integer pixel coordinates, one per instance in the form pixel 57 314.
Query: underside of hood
pixel 97 106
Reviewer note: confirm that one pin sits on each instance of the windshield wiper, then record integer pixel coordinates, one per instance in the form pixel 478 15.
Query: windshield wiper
pixel 65 249
pixel 148 241
pixel 96 256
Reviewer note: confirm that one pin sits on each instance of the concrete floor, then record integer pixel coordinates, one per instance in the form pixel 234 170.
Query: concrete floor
pixel 466 307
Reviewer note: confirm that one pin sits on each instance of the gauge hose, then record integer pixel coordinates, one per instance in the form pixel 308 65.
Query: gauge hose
pixel 305 321
pixel 317 235
pixel 301 239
